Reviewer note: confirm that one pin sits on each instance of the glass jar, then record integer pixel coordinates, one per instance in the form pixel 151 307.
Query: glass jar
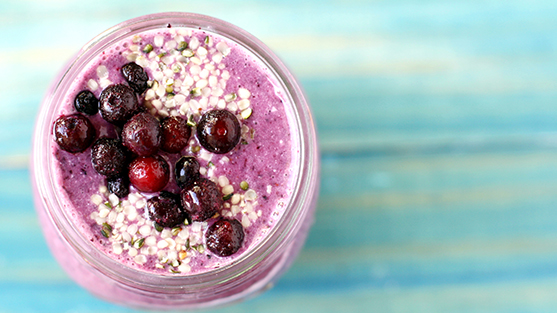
pixel 111 280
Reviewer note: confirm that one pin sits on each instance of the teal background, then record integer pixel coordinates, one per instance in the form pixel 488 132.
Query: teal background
pixel 438 133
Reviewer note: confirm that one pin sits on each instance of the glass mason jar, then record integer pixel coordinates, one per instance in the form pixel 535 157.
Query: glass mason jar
pixel 253 271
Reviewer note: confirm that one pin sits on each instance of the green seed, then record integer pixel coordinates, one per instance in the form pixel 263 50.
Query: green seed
pixel 169 89
pixel 106 230
pixel 227 197
pixel 188 53
pixel 207 39
pixel 196 92
pixel 176 230
pixel 158 227
pixel 148 48
pixel 140 243
pixel 190 122
pixel 244 185
pixel 182 46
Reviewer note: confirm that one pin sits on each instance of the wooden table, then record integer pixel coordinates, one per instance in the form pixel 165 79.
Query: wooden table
pixel 438 132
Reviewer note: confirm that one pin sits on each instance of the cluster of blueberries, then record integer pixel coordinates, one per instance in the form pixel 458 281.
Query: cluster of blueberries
pixel 133 159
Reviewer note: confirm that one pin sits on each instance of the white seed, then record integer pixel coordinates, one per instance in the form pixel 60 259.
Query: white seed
pixel 171 243
pixel 145 230
pixel 223 48
pixel 152 250
pixel 184 268
pixel 116 248
pixel 162 244
pixel 140 259
pixel 132 252
pixel 213 101
pixel 202 83
pixel 223 181
pixel 179 99
pixel 269 187
pixel 120 218
pixel 184 108
pixel 127 237
pixel 163 113
pixel 245 221
pixel 132 56
pixel 112 216
pixel 92 84
pixel 246 113
pixel 184 233
pixel 206 92
pixel 202 171
pixel 217 57
pixel 251 194
pixel 225 75
pixel 243 104
pixel 196 60
pixel 194 43
pixel 243 93
pixel 140 203
pixel 142 61
pixel 232 106
pixel 171 44
pixel 104 82
pixel 213 81
pixel 166 233
pixel 169 73
pixel 235 199
pixel 96 199
pixel 195 70
pixel 221 104
pixel 150 94
pixel 201 51
pixel 132 215
pixel 158 41
pixel 228 189
pixel 204 73
pixel 102 71
pixel 151 241
pixel 113 199
pixel 132 229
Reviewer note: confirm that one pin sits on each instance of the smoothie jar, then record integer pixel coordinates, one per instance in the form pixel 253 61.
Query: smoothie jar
pixel 108 267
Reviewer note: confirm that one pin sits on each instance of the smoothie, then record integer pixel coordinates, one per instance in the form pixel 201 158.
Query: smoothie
pixel 175 155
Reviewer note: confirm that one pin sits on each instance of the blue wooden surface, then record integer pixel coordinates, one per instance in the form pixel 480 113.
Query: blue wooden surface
pixel 438 129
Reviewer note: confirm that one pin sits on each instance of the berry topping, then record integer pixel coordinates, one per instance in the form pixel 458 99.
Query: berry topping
pixel 119 186
pixel 86 102
pixel 165 210
pixel 202 200
pixel 142 134
pixel 135 76
pixel 108 157
pixel 73 133
pixel 149 173
pixel 118 103
pixel 175 134
pixel 186 171
pixel 225 237
pixel 218 131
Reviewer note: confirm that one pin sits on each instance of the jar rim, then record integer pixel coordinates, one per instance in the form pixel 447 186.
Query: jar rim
pixel 305 185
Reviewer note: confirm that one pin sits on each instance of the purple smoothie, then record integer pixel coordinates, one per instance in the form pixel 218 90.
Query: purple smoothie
pixel 268 180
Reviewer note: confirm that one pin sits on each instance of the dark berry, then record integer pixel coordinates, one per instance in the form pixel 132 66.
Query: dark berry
pixel 118 103
pixel 86 102
pixel 108 157
pixel 218 131
pixel 135 76
pixel 175 134
pixel 165 210
pixel 202 200
pixel 149 173
pixel 186 171
pixel 119 186
pixel 225 237
pixel 142 134
pixel 73 133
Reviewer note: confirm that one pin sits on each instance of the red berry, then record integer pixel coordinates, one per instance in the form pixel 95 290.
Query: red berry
pixel 218 131
pixel 142 134
pixel 73 133
pixel 202 200
pixel 225 237
pixel 149 173
pixel 175 134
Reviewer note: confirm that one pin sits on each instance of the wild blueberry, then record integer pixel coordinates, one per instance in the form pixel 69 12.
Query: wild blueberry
pixel 165 210
pixel 108 157
pixel 142 134
pixel 135 76
pixel 218 131
pixel 73 133
pixel 225 237
pixel 86 102
pixel 118 103
pixel 119 186
pixel 175 134
pixel 186 171
pixel 202 200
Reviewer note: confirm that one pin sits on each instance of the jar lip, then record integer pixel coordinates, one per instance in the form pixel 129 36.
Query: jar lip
pixel 303 192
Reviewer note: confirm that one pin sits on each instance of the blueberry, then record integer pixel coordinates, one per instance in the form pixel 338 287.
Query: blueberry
pixel 202 200
pixel 73 133
pixel 108 157
pixel 225 237
pixel 135 76
pixel 142 134
pixel 165 210
pixel 149 173
pixel 86 102
pixel 118 103
pixel 119 186
pixel 186 171
pixel 218 131
pixel 175 134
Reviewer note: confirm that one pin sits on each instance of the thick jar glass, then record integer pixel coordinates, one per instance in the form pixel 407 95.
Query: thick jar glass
pixel 251 272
